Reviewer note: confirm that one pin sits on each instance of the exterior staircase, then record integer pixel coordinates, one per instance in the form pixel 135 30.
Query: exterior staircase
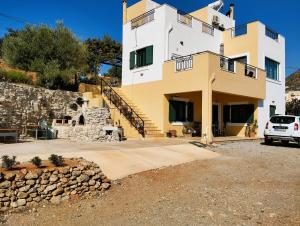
pixel 127 109
pixel 150 129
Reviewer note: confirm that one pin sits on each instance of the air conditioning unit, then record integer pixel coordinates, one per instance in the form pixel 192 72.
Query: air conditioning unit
pixel 216 20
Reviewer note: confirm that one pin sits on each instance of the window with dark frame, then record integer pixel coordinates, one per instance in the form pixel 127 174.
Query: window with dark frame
pixel 272 69
pixel 181 111
pixel 141 57
pixel 243 113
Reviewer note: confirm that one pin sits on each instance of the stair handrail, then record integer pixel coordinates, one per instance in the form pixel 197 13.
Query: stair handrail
pixel 140 128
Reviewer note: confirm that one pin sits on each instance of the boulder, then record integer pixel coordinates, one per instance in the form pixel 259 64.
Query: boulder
pixel 21 202
pixel 31 175
pixel 5 184
pixel 58 191
pixel 83 178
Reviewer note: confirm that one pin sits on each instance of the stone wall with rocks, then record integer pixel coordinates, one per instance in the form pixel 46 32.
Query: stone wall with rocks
pixel 21 105
pixel 92 130
pixel 31 187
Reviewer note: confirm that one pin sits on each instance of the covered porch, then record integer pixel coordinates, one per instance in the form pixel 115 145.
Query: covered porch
pixel 194 114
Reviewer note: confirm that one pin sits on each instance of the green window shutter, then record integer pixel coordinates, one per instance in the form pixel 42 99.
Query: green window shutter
pixel 172 111
pixel 132 60
pixel 149 55
pixel 190 111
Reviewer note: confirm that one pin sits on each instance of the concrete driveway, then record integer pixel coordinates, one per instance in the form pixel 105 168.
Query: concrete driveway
pixel 117 160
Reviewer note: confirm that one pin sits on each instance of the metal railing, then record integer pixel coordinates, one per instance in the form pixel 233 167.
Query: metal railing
pixel 226 64
pixel 184 18
pixel 250 71
pixel 206 28
pixel 240 30
pixel 184 63
pixel 142 19
pixel 135 120
pixel 271 34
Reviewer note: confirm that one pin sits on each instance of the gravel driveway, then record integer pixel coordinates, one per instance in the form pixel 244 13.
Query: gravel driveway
pixel 250 184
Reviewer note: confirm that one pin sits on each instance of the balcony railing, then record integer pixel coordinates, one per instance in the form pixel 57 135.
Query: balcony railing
pixel 271 34
pixel 226 64
pixel 250 71
pixel 184 63
pixel 206 28
pixel 143 19
pixel 240 30
pixel 184 18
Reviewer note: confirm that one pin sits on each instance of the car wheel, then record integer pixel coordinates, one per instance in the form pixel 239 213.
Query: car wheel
pixel 285 142
pixel 268 141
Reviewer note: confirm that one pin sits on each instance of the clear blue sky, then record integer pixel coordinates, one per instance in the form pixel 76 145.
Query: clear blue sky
pixel 94 18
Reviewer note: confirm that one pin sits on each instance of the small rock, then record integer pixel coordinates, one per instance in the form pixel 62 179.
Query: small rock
pixel 25 188
pixel 22 195
pixel 14 204
pixel 21 202
pixel 58 191
pixel 43 182
pixel 4 185
pixel 92 182
pixel 53 178
pixel 30 182
pixel 105 185
pixel 83 178
pixel 55 200
pixel 31 175
pixel 76 173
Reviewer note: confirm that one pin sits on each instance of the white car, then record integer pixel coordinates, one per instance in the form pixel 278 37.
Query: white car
pixel 284 128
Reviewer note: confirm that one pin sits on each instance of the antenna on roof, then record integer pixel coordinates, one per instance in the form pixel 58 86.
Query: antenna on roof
pixel 217 5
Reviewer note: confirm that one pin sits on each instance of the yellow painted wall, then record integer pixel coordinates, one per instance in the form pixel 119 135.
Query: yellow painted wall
pixel 136 10
pixel 237 83
pixel 152 97
pixel 201 14
pixel 243 44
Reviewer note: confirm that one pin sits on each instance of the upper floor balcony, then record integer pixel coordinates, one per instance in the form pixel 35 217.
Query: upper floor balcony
pixel 192 72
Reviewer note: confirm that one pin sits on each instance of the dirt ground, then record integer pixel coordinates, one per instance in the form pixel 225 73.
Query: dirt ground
pixel 250 184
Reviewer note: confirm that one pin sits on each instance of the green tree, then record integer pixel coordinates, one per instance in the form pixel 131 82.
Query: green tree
pixel 293 107
pixel 100 50
pixel 55 53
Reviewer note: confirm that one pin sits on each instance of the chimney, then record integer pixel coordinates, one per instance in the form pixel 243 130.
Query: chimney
pixel 124 11
pixel 231 11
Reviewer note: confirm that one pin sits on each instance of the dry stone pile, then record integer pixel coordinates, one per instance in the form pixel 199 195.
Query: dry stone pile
pixel 31 187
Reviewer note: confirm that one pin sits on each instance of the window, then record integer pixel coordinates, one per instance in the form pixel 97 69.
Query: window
pixel 272 110
pixel 272 69
pixel 243 113
pixel 282 119
pixel 141 57
pixel 180 111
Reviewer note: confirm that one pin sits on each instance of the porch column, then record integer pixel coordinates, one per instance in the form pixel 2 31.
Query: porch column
pixel 207 135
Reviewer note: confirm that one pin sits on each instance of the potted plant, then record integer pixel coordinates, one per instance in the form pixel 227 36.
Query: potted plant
pixel 253 128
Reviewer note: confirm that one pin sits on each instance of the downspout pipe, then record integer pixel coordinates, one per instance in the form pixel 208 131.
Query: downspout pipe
pixel 169 30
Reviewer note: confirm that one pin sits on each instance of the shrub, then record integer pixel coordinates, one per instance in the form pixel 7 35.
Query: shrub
pixel 56 160
pixel 8 162
pixel 36 161
pixel 15 77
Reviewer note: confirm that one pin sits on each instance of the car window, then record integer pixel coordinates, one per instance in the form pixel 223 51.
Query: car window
pixel 282 119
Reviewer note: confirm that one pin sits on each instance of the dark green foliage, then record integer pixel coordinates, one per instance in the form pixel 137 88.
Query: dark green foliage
pixel 15 77
pixel 293 107
pixel 56 160
pixel 8 162
pixel 293 81
pixel 55 53
pixel 36 161
pixel 99 50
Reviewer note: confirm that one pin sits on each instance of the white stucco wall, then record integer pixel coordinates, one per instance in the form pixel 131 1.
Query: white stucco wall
pixel 224 20
pixel 165 33
pixel 275 90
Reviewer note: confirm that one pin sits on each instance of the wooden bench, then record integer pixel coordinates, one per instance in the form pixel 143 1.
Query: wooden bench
pixel 9 133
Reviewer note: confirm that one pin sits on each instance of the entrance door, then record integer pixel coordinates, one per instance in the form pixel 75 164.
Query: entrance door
pixel 215 120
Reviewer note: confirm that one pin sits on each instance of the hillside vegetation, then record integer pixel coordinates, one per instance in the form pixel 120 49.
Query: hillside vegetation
pixel 293 81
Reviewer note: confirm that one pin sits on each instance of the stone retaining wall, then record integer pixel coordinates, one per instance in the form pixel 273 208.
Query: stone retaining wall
pixel 31 187
pixel 21 105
